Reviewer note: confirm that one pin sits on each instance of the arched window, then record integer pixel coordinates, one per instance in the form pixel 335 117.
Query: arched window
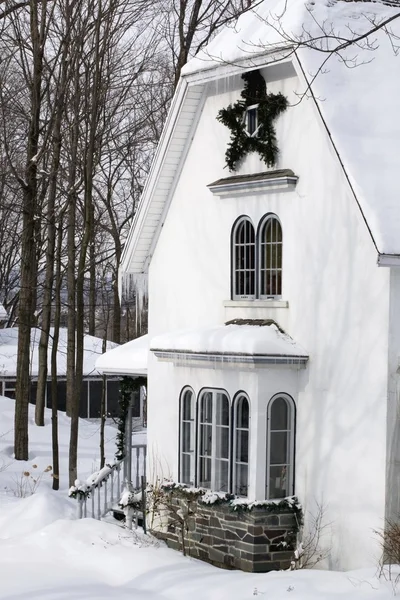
pixel 187 437
pixel 214 441
pixel 241 421
pixel 280 447
pixel 270 257
pixel 243 259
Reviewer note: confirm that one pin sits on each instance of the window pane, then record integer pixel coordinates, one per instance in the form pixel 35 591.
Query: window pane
pixel 206 408
pixel 241 480
pixel 222 409
pixel 187 406
pixel 242 446
pixel 222 442
pixel 242 419
pixel 221 475
pixel 205 472
pixel 278 482
pixel 271 258
pixel 186 436
pixel 185 477
pixel 205 440
pixel 279 414
pixel 279 448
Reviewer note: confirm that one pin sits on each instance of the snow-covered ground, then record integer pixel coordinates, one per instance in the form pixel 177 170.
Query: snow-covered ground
pixel 45 554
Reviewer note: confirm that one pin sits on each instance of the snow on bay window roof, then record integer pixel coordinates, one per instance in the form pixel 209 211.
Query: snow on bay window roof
pixel 127 359
pixel 259 342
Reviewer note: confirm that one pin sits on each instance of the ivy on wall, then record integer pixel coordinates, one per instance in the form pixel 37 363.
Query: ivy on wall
pixel 234 117
pixel 127 386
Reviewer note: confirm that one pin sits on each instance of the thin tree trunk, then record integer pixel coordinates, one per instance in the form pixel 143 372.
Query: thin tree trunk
pixel 54 380
pixel 51 241
pixel 28 249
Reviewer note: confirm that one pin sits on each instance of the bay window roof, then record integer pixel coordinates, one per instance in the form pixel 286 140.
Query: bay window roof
pixel 260 342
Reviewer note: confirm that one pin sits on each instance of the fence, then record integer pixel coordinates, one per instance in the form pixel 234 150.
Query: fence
pixel 103 489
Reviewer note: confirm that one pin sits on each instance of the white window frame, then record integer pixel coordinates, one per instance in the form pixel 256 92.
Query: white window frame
pixel 192 421
pixel 253 107
pixel 235 245
pixel 215 428
pixel 290 444
pixel 236 462
pixel 269 270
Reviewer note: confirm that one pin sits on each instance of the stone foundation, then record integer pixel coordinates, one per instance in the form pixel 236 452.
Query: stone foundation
pixel 256 541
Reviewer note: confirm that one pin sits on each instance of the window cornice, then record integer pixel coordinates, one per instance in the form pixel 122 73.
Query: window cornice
pixel 281 179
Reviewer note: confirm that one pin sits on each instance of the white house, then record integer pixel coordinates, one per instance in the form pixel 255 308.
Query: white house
pixel 274 291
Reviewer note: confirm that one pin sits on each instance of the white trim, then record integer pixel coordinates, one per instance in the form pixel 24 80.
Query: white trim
pixel 227 359
pixel 273 303
pixel 388 260
pixel 286 182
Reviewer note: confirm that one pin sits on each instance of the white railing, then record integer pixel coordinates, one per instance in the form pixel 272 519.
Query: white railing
pixel 102 490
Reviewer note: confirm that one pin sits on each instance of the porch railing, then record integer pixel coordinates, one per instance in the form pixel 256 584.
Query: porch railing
pixel 103 489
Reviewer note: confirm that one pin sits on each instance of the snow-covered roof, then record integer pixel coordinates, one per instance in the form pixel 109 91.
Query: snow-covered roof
pixel 127 359
pixel 358 105
pixel 9 347
pixel 232 343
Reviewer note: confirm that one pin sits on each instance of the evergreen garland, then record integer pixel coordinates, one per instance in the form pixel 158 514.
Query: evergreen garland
pixel 269 107
pixel 127 386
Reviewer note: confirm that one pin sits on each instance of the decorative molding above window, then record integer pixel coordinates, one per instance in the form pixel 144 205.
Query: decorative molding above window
pixel 256 303
pixel 281 179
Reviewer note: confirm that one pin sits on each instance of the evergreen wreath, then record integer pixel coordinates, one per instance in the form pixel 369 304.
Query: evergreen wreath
pixel 127 386
pixel 269 107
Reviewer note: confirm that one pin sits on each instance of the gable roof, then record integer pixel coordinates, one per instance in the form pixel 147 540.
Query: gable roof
pixel 358 107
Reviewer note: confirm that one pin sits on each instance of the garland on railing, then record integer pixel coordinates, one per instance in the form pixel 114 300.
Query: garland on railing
pixel 128 385
pixel 79 491
pixel 236 504
pixel 263 140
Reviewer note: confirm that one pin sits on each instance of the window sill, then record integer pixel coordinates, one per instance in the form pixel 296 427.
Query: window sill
pixel 256 304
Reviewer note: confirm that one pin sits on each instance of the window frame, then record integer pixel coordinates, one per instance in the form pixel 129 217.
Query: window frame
pixel 234 256
pixel 238 396
pixel 253 107
pixel 291 444
pixel 192 453
pixel 269 217
pixel 214 440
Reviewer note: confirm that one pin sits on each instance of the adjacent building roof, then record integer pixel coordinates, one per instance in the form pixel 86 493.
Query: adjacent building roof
pixel 254 343
pixel 128 359
pixel 358 106
pixel 9 348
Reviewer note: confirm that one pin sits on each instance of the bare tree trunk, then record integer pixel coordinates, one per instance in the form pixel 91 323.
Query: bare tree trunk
pixel 51 241
pixel 28 249
pixel 54 380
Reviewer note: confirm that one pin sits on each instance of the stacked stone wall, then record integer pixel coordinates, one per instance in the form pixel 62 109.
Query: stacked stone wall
pixel 255 541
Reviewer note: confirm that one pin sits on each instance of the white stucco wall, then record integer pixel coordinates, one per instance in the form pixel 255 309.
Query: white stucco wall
pixel 338 310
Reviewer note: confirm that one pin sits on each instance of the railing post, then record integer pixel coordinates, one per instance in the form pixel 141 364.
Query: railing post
pixel 98 502
pixel 79 508
pixel 105 497
pixel 93 491
pixel 112 487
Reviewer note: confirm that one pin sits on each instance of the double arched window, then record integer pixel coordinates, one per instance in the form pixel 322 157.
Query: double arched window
pixel 257 258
